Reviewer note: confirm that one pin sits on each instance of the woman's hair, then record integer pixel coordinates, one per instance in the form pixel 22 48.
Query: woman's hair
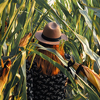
pixel 46 67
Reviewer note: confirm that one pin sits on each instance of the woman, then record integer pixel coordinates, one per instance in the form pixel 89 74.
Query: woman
pixel 45 81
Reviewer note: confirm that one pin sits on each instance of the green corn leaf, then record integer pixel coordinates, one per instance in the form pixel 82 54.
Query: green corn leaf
pixel 98 14
pixel 36 18
pixel 45 5
pixel 15 1
pixel 47 18
pixel 87 18
pixel 74 50
pixel 3 23
pixel 20 84
pixel 22 17
pixel 87 49
pixel 23 68
pixel 38 24
pixel 15 46
pixel 11 23
pixel 64 9
pixel 89 22
pixel 95 9
pixel 78 97
pixel 97 28
pixel 17 78
pixel 22 33
pixel 3 5
pixel 12 9
pixel 96 38
pixel 92 94
pixel 17 29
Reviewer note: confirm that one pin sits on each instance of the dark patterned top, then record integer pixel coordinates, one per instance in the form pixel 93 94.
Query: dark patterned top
pixel 44 87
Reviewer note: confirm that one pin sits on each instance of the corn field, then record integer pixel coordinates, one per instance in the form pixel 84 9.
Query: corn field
pixel 78 19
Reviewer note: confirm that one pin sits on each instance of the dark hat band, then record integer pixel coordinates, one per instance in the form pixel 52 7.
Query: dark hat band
pixel 50 39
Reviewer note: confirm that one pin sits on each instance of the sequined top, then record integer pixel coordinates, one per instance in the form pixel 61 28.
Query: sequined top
pixel 44 87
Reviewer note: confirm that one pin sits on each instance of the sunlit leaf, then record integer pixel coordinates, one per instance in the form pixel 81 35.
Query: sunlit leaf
pixel 4 48
pixel 87 18
pixel 96 10
pixel 38 24
pixel 16 44
pixel 96 40
pixel 64 9
pixel 92 94
pixel 3 5
pixel 79 96
pixel 87 49
pixel 11 23
pixel 89 23
pixel 17 29
pixel 93 77
pixel 23 68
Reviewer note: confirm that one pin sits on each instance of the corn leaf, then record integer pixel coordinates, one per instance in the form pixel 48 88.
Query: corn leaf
pixel 74 50
pixel 13 72
pixel 65 11
pixel 77 97
pixel 92 94
pixel 23 68
pixel 87 49
pixel 3 5
pixel 11 23
pixel 96 10
pixel 38 24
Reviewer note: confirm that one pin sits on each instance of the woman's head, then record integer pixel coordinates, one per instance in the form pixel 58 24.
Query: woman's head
pixel 50 37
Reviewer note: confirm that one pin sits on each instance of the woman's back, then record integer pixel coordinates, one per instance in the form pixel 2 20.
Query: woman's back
pixel 44 87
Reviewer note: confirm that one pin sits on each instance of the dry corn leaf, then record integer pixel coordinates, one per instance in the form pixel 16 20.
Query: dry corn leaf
pixel 4 73
pixel 93 77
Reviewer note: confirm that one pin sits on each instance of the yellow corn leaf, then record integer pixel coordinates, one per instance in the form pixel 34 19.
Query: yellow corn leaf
pixel 4 75
pixel 93 77
pixel 2 5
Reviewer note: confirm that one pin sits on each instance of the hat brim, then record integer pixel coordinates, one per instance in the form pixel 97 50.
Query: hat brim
pixel 39 38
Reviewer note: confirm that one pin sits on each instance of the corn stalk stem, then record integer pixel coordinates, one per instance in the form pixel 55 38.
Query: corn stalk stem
pixel 8 49
pixel 0 51
pixel 3 22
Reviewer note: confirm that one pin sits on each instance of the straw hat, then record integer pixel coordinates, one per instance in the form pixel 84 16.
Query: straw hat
pixel 51 34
